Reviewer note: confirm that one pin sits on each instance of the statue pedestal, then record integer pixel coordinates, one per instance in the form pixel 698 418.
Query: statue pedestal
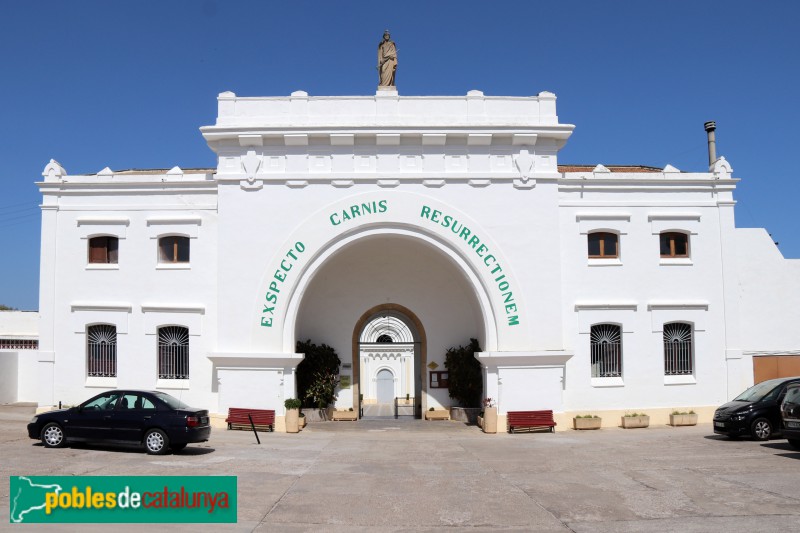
pixel 386 90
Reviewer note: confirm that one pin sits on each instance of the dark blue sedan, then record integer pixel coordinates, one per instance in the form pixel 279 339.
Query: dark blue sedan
pixel 156 420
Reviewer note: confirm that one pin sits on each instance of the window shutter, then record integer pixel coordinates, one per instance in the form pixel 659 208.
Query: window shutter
pixel 98 250
pixel 113 250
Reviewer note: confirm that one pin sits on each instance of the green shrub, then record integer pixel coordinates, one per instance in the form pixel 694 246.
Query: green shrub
pixel 291 403
pixel 315 374
pixel 631 415
pixel 465 380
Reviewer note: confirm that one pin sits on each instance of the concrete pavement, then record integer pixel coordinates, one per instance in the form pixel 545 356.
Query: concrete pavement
pixel 387 475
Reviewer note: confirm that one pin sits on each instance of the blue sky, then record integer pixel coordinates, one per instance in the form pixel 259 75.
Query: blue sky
pixel 127 85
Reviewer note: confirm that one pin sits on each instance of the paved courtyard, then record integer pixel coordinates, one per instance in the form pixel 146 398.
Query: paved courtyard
pixel 385 475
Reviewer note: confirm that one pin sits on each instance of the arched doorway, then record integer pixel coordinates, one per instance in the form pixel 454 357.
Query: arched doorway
pixel 388 363
pixel 384 387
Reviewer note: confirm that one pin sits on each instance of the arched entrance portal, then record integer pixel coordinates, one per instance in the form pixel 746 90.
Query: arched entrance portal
pixel 395 277
pixel 388 360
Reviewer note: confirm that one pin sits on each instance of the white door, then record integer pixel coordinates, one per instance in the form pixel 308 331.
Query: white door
pixel 385 382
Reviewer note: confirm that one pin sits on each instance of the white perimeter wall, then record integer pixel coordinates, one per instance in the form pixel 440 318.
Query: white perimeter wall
pixel 770 295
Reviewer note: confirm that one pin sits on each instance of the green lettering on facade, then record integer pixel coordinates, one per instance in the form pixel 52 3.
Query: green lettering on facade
pixel 473 241
pixel 280 276
pixel 355 211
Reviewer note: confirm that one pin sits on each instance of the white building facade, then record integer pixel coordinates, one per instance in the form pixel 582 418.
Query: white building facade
pixel 589 289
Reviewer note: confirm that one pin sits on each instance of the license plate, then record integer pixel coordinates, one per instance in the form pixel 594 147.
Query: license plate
pixel 793 424
pixel 204 420
pixel 719 424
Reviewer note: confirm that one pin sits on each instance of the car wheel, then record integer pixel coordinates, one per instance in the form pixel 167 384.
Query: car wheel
pixel 156 442
pixel 761 429
pixel 177 447
pixel 53 436
pixel 794 443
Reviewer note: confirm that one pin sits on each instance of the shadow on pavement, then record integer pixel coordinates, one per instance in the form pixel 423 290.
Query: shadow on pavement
pixel 128 448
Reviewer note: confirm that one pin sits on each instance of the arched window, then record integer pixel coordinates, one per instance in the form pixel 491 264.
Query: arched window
pixel 101 351
pixel 173 249
pixel 173 352
pixel 606 348
pixel 674 244
pixel 678 349
pixel 603 244
pixel 104 249
pixel 385 339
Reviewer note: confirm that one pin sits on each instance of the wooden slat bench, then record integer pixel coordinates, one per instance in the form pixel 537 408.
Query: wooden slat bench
pixel 530 420
pixel 263 419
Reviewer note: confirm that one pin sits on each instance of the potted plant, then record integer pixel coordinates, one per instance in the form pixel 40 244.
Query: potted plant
pixel 302 420
pixel 292 406
pixel 635 420
pixel 683 418
pixel 348 414
pixel 587 422
pixel 437 414
pixel 489 416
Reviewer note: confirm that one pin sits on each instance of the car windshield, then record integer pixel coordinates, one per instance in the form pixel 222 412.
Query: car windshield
pixel 171 401
pixel 758 392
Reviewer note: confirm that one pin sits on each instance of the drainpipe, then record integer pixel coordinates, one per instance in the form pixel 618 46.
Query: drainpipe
pixel 711 127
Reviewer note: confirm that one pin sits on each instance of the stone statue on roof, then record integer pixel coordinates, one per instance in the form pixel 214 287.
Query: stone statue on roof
pixel 387 61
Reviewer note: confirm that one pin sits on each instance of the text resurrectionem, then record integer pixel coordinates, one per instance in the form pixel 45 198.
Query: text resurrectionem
pixel 473 241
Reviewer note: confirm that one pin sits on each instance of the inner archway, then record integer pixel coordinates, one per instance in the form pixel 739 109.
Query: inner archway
pixel 389 340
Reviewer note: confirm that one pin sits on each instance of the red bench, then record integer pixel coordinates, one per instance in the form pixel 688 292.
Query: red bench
pixel 263 419
pixel 530 420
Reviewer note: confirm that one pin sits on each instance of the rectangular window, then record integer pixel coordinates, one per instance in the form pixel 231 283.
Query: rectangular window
pixel 606 351
pixel 173 249
pixel 103 250
pixel 19 344
pixel 674 244
pixel 173 352
pixel 603 245
pixel 678 349
pixel 101 350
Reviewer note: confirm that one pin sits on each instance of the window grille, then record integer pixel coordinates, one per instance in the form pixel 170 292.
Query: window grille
pixel 678 351
pixel 606 348
pixel 102 351
pixel 173 353
pixel 19 344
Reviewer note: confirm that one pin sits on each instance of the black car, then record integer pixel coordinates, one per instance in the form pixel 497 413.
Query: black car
pixel 754 412
pixel 156 420
pixel 790 409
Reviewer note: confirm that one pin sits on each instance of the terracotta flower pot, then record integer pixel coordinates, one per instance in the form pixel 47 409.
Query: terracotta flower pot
pixel 490 420
pixel 292 420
